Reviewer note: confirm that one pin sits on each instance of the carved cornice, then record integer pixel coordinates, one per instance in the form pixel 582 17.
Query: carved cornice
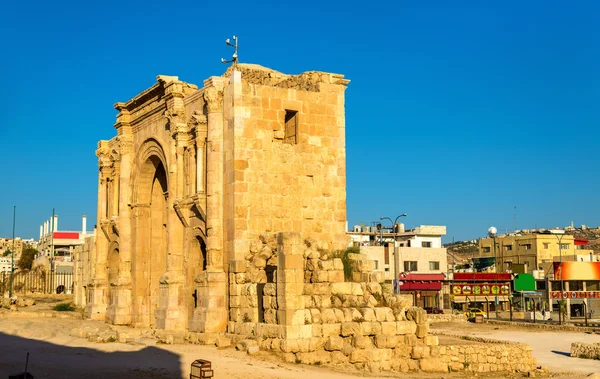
pixel 214 99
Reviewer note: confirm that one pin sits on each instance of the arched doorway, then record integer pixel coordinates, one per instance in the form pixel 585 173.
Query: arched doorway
pixel 149 258
pixel 113 266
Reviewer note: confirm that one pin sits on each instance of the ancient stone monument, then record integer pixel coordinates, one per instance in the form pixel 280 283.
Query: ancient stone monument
pixel 195 175
pixel 222 219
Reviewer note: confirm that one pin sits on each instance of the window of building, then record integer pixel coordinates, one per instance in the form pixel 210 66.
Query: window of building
pixel 508 247
pixel 556 285
pixel 575 285
pixel 527 246
pixel 546 245
pixel 376 265
pixel 410 266
pixel 433 265
pixel 592 285
pixel 291 127
pixel 487 249
pixel 564 246
pixel 425 243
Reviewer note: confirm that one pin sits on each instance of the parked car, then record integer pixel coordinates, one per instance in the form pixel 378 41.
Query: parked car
pixel 472 312
pixel 433 310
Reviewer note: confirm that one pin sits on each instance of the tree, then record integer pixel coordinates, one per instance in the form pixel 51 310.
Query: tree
pixel 6 253
pixel 27 257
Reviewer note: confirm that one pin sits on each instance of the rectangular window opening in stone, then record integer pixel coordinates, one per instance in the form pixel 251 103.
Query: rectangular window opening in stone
pixel 291 126
pixel 410 266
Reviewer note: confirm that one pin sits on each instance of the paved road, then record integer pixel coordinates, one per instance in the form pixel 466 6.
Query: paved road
pixel 550 348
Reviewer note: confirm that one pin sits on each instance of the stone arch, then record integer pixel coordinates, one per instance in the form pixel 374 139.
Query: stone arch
pixel 149 221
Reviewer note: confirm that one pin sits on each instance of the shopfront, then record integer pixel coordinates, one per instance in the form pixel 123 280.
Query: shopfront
pixel 425 288
pixel 481 290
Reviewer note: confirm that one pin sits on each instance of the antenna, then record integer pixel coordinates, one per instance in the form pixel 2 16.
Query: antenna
pixel 515 219
pixel 234 57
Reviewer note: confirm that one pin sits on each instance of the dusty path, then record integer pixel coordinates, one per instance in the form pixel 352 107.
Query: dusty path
pixel 550 348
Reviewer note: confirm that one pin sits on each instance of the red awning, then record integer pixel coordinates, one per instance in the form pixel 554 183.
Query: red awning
pixel 421 282
pixel 66 235
pixel 581 241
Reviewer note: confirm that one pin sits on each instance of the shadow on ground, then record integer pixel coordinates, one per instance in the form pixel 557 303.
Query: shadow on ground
pixel 566 354
pixel 48 360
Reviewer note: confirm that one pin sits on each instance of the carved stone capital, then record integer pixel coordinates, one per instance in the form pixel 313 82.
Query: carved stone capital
pixel 214 99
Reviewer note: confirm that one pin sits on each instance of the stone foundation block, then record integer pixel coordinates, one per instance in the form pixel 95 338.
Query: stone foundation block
pixel 351 329
pixel 337 357
pixel 360 355
pixel 388 328
pixel 370 328
pixel 317 330
pixel 383 341
pixel 362 342
pixel 334 343
pixel 433 365
pixel 419 352
pixel 368 314
pixel 422 330
pixel 331 330
pixel 406 327
pixel 335 276
pixel 289 346
pixel 431 340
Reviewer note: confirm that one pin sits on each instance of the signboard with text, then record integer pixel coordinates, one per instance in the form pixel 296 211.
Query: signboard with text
pixel 576 295
pixel 481 289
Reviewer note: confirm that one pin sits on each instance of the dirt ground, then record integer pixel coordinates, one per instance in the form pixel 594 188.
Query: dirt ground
pixel 55 354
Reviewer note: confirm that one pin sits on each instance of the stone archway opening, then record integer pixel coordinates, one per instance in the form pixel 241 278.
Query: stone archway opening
pixel 113 266
pixel 150 241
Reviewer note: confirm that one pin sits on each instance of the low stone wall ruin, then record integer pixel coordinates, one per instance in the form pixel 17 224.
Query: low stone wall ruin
pixel 446 318
pixel 295 298
pixel 585 350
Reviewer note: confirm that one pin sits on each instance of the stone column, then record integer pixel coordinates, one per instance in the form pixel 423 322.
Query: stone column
pixel 210 315
pixel 98 286
pixel 200 154
pixel 119 311
pixel 170 313
pixel 290 285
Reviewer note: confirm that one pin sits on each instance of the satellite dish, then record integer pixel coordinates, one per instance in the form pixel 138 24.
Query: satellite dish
pixel 492 230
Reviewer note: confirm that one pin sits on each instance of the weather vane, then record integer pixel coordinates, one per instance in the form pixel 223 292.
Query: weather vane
pixel 234 58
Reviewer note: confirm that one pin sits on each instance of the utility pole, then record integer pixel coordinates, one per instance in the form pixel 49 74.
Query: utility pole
pixel 12 260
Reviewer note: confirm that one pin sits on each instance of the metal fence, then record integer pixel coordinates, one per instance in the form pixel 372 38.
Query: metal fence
pixel 37 281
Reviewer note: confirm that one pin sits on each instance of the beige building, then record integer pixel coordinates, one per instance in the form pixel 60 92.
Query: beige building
pixel 6 244
pixel 535 250
pixel 193 179
pixel 419 250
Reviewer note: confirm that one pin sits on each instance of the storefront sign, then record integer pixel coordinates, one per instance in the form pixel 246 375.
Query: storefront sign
pixel 576 295
pixel 482 289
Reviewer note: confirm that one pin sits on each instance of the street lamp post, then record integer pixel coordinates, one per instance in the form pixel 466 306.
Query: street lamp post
pixel 559 234
pixel 395 248
pixel 492 231
pixel 12 254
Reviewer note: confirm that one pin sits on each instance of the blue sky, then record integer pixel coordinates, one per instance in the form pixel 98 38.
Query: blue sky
pixel 457 111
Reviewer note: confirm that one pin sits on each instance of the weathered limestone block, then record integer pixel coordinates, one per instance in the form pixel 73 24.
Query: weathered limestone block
pixel 325 265
pixel 388 328
pixel 289 346
pixel 322 289
pixel 406 327
pixel 328 316
pixel 351 314
pixel 422 330
pixel 341 288
pixel 312 264
pixel 433 365
pixel 314 357
pixel 322 301
pixel 351 329
pixel 270 289
pixel 431 340
pixel 316 343
pixel 270 316
pixel 402 351
pixel 384 314
pixel 368 314
pixel 383 341
pixel 339 315
pixel 419 352
pixel 410 340
pixel 317 330
pixel 362 342
pixel 416 314
pixel 332 329
pixel 316 316
pixel 304 345
pixel 237 266
pixel 359 355
pixel 337 357
pixel 374 288
pixel 320 276
pixel 334 343
pixel 335 276
pixel 370 328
